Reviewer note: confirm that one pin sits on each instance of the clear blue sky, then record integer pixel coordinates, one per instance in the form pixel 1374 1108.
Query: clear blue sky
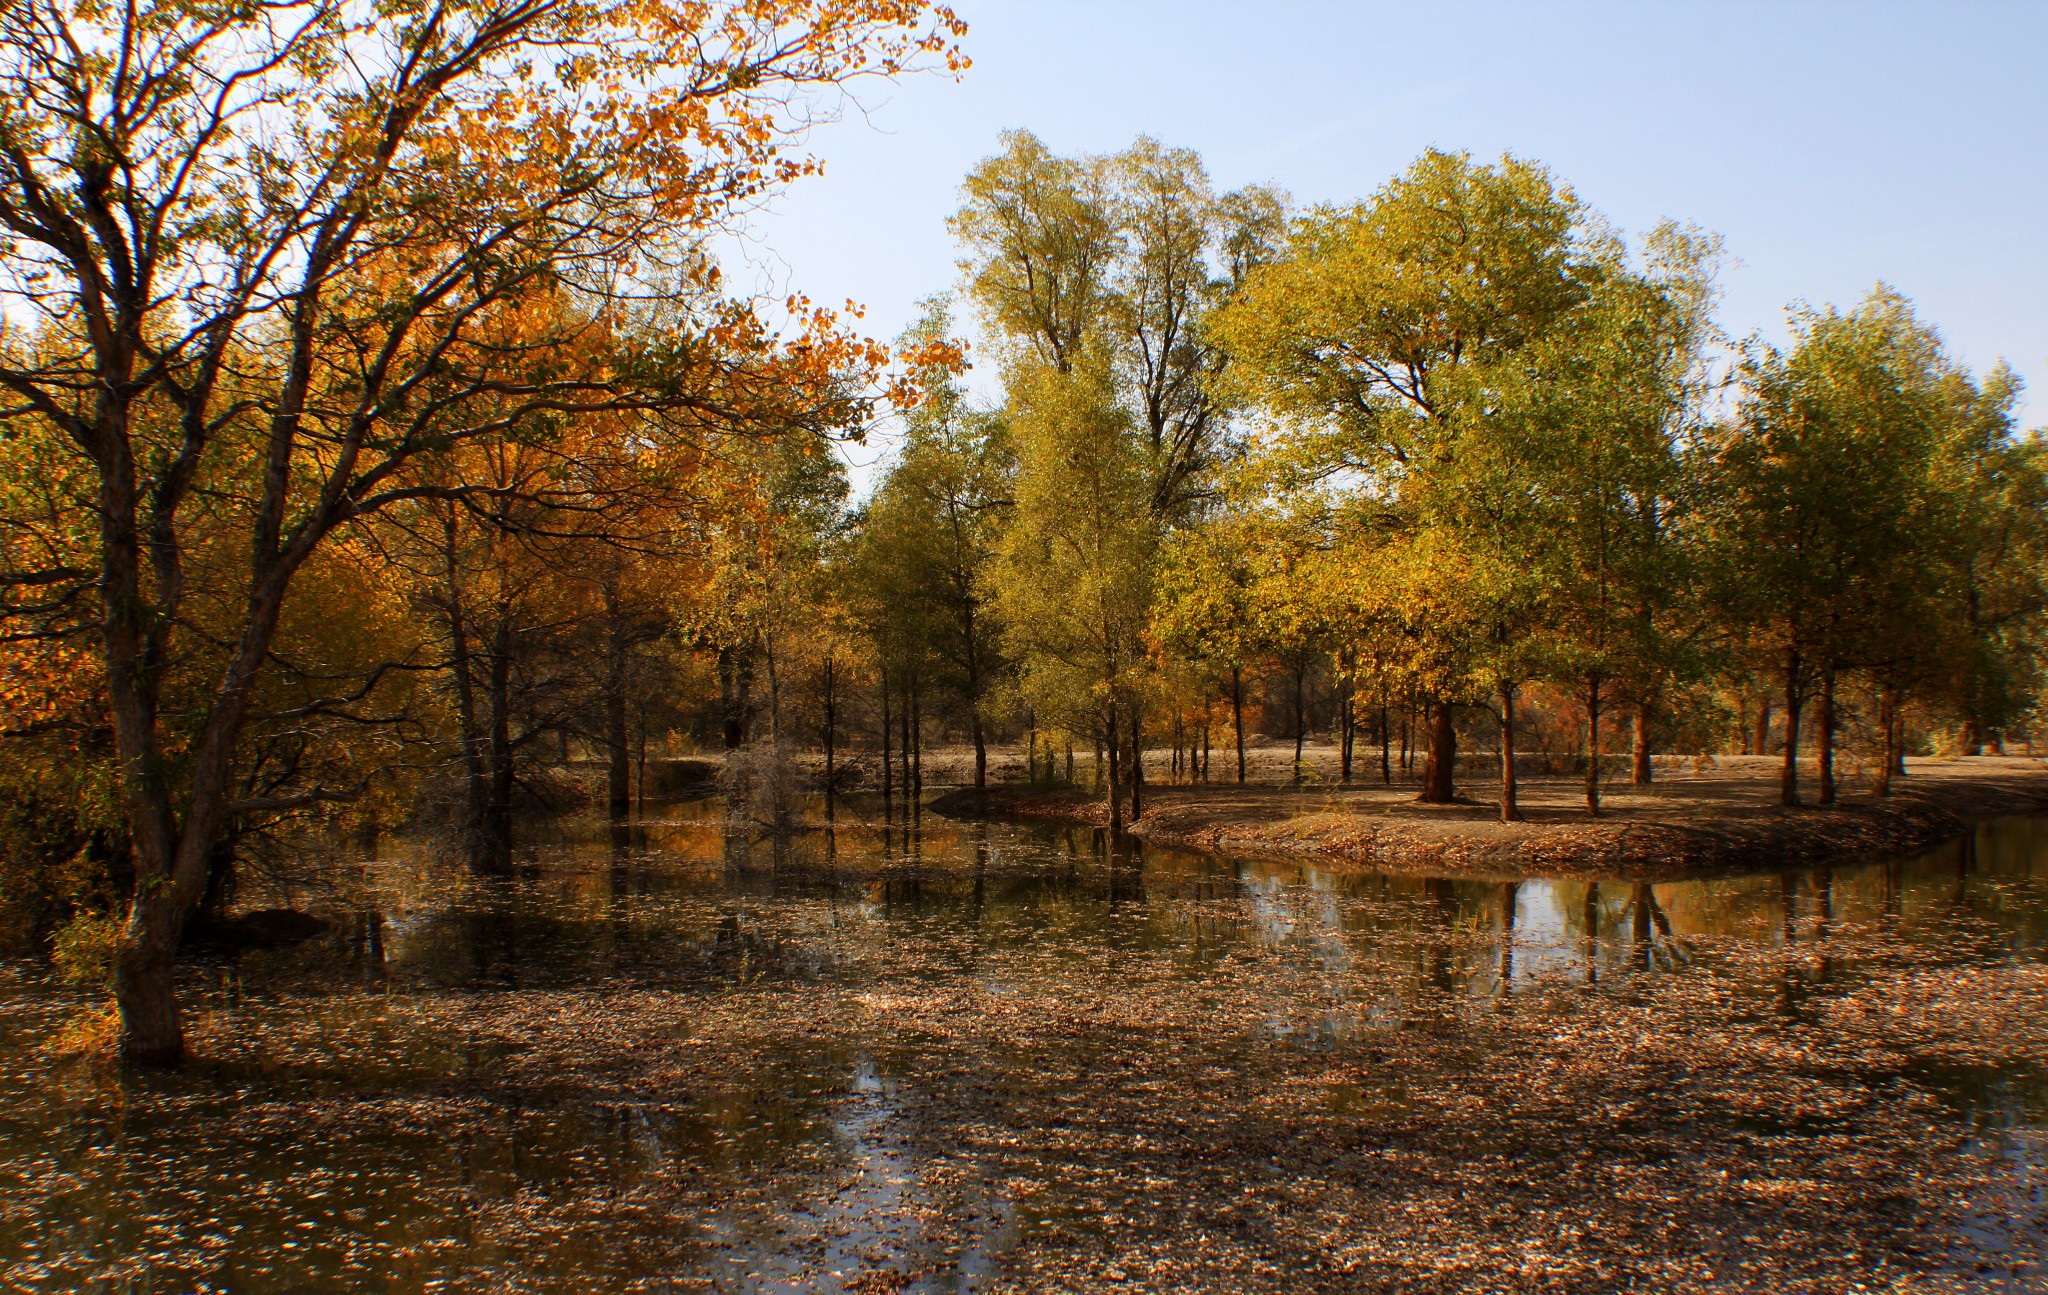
pixel 1832 144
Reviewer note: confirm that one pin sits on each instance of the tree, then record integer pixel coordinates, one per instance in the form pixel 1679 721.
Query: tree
pixel 930 535
pixel 1593 440
pixel 295 236
pixel 1991 502
pixel 1073 583
pixel 1825 501
pixel 1112 265
pixel 1363 333
pixel 1205 611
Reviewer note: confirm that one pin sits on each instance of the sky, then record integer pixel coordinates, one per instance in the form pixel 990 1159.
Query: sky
pixel 1832 145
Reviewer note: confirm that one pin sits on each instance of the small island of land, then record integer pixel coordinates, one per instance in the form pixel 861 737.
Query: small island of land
pixel 1697 817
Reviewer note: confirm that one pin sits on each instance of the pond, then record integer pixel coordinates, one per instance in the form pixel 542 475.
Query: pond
pixel 944 1056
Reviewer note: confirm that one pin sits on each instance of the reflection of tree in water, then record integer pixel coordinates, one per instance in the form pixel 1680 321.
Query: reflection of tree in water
pixel 1510 894
pixel 1441 915
pixel 1124 859
pixel 1591 921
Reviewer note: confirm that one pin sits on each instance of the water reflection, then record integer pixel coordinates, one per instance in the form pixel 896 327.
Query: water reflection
pixel 364 1115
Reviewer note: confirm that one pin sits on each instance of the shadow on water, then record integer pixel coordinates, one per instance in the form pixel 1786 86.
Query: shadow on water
pixel 365 1116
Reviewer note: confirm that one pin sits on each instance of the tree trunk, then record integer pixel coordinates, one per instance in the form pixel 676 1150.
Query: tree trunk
pixel 980 749
pixel 1825 733
pixel 1788 780
pixel 1763 725
pixel 734 680
pixel 1137 768
pixel 916 736
pixel 1347 724
pixel 618 771
pixel 494 833
pixel 1237 716
pixel 1888 720
pixel 152 1032
pixel 640 763
pixel 462 666
pixel 831 727
pixel 1386 745
pixel 888 758
pixel 1300 717
pixel 1593 745
pixel 1510 812
pixel 1639 764
pixel 904 707
pixel 1116 791
pixel 1439 770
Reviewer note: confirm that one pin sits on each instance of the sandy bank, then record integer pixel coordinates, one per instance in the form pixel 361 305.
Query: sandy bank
pixel 1715 816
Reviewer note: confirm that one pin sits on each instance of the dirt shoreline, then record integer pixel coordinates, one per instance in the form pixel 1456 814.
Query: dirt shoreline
pixel 1710 819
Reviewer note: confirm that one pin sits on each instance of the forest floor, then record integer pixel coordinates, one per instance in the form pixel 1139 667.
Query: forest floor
pixel 1697 817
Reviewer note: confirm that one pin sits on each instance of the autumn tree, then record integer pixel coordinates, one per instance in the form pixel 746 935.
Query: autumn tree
pixel 298 230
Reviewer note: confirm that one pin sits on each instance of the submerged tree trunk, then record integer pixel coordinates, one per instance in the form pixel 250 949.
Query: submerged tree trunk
pixel 888 758
pixel 1439 771
pixel 496 831
pixel 1788 780
pixel 1237 716
pixel 1825 734
pixel 462 667
pixel 1116 791
pixel 735 687
pixel 1510 812
pixel 1137 767
pixel 831 727
pixel 903 736
pixel 1593 744
pixel 618 800
pixel 980 749
pixel 915 778
pixel 1347 724
pixel 1888 720
pixel 1300 716
pixel 1639 765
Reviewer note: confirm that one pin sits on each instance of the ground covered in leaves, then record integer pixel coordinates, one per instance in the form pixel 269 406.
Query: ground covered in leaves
pixel 975 1057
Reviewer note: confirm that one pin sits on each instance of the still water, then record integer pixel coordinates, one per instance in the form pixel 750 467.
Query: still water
pixel 943 1056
